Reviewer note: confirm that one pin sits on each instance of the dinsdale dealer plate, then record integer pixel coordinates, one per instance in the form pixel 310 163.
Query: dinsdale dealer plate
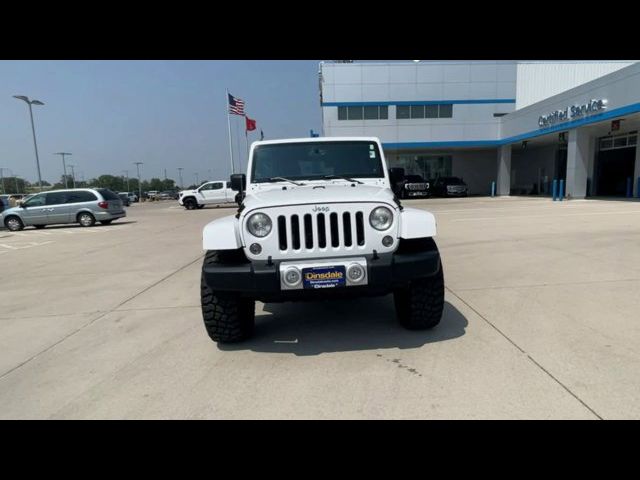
pixel 324 277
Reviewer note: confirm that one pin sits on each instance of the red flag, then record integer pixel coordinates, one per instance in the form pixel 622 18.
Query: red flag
pixel 251 124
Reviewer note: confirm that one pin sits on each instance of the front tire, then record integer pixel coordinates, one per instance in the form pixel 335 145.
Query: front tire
pixel 86 219
pixel 190 204
pixel 420 305
pixel 227 317
pixel 14 224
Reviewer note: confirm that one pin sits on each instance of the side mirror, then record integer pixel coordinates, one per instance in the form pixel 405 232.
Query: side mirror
pixel 238 182
pixel 396 174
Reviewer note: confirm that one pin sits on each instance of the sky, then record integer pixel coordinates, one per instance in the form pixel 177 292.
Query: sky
pixel 167 114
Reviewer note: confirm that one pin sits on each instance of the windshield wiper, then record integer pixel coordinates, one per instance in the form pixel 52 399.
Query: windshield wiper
pixel 329 177
pixel 282 179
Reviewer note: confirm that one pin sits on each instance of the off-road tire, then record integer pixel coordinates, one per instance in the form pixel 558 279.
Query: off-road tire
pixel 227 317
pixel 190 203
pixel 420 305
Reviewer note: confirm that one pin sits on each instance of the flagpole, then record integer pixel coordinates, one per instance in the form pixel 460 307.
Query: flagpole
pixel 246 138
pixel 238 147
pixel 226 100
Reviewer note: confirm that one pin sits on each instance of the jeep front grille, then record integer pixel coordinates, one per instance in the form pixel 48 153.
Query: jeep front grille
pixel 319 230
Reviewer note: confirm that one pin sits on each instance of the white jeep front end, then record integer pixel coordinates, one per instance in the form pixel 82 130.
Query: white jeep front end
pixel 309 238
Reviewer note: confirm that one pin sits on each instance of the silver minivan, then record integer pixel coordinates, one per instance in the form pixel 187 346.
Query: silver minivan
pixel 85 206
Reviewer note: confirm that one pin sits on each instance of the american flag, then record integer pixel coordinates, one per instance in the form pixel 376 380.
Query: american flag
pixel 236 105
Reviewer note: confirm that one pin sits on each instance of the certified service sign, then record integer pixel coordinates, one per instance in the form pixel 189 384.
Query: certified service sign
pixel 572 113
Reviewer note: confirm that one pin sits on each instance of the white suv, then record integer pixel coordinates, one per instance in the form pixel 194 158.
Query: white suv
pixel 209 193
pixel 318 220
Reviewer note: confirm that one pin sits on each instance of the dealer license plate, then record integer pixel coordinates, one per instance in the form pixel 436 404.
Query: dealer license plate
pixel 324 277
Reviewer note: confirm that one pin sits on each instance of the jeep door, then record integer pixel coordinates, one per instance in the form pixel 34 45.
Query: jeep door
pixel 35 210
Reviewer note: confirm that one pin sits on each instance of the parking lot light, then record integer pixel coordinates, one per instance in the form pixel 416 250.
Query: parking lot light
pixel 33 130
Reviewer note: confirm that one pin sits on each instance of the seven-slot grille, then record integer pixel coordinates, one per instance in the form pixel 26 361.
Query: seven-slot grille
pixel 320 230
pixel 416 186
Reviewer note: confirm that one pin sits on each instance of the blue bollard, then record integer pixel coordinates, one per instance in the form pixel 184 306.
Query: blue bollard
pixel 555 189
pixel 493 189
pixel 561 192
pixel 629 187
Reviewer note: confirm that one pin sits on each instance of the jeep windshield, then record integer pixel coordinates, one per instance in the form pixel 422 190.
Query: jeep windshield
pixel 316 161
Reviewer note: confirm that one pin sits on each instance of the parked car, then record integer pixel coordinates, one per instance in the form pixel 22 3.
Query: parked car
pixel 320 222
pixel 450 187
pixel 125 199
pixel 133 197
pixel 414 186
pixel 208 193
pixel 24 199
pixel 168 195
pixel 152 194
pixel 85 206
pixel 4 203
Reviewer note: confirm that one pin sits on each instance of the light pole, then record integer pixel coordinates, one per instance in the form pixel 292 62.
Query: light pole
pixel 2 179
pixel 33 130
pixel 127 174
pixel 180 174
pixel 139 181
pixel 73 175
pixel 64 167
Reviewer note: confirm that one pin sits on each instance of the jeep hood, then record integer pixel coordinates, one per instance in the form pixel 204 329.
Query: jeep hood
pixel 312 194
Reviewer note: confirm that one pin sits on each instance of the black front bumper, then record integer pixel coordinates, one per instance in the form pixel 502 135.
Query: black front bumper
pixel 260 280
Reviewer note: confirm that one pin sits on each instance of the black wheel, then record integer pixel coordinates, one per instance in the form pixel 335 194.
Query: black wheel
pixel 227 317
pixel 14 224
pixel 85 219
pixel 420 306
pixel 106 222
pixel 39 227
pixel 190 204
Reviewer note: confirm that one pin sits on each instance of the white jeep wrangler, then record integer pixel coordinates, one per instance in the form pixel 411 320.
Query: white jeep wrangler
pixel 318 220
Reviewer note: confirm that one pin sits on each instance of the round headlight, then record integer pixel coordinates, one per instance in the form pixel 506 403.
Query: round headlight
pixel 259 225
pixel 381 218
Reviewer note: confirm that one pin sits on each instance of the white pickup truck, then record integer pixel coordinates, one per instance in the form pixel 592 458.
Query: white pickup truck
pixel 317 221
pixel 209 193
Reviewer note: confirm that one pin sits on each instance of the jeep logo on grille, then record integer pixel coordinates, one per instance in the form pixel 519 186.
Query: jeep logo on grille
pixel 320 209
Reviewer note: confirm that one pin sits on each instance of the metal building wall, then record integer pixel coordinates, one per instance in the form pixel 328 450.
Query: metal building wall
pixel 537 81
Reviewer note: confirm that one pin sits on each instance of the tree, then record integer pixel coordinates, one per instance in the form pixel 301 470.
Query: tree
pixel 61 183
pixel 13 185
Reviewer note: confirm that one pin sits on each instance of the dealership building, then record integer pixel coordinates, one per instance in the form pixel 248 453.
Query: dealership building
pixel 519 124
